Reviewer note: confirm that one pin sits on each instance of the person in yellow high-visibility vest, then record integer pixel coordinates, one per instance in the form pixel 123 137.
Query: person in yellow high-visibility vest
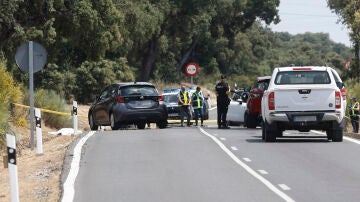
pixel 354 109
pixel 197 99
pixel 184 103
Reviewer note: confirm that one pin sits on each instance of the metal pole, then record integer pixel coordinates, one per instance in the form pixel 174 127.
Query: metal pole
pixel 75 106
pixel 13 171
pixel 31 84
pixel 39 142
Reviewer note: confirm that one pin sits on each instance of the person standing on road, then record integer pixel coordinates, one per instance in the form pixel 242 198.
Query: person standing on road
pixel 222 97
pixel 197 102
pixel 354 109
pixel 184 103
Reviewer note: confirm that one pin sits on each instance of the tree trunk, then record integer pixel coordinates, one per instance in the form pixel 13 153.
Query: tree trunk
pixel 149 60
pixel 186 57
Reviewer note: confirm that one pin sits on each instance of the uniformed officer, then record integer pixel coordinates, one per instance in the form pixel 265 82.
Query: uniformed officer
pixel 222 97
pixel 184 103
pixel 354 109
pixel 198 102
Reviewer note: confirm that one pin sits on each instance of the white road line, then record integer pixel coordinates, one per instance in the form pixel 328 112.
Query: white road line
pixel 263 172
pixel 247 159
pixel 68 187
pixel 266 182
pixel 234 148
pixel 284 187
pixel 222 138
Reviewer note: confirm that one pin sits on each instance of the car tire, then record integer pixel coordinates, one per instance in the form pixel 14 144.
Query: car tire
pixel 113 124
pixel 141 125
pixel 92 124
pixel 269 134
pixel 162 124
pixel 251 121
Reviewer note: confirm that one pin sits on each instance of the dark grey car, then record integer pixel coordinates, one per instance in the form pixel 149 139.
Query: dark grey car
pixel 122 104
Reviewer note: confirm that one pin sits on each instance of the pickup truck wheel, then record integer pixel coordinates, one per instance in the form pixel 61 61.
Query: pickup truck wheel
pixel 329 134
pixel 337 135
pixel 263 131
pixel 270 136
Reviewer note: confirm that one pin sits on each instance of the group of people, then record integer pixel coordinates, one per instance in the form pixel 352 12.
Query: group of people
pixel 197 101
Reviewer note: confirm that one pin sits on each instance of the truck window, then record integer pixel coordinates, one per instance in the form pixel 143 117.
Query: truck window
pixel 302 77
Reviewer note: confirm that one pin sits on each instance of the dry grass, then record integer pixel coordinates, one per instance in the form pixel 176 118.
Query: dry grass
pixel 39 175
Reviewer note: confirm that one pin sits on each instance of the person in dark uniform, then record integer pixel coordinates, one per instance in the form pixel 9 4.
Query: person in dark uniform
pixel 222 90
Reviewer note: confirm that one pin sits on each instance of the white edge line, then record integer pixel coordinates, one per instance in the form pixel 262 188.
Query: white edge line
pixel 248 169
pixel 263 172
pixel 284 187
pixel 68 187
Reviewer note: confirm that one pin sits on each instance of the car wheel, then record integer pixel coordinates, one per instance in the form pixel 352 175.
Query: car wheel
pixel 113 124
pixel 270 136
pixel 141 125
pixel 162 124
pixel 92 124
pixel 251 121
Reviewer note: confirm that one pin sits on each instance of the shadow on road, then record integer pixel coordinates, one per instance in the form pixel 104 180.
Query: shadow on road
pixel 292 139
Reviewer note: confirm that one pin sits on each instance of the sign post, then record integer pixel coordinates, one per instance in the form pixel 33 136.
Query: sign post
pixel 191 70
pixel 31 57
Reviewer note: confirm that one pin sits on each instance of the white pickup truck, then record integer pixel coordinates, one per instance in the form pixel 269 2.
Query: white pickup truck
pixel 303 99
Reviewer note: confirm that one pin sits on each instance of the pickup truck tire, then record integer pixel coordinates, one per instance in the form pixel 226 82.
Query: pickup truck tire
pixel 337 135
pixel 268 133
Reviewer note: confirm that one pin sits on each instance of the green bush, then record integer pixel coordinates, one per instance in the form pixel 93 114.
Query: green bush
pixel 49 99
pixel 9 93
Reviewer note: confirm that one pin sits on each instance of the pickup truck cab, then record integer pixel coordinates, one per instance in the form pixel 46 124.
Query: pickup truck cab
pixel 303 99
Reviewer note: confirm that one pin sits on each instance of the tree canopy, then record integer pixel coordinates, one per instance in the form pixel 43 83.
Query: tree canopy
pixel 92 43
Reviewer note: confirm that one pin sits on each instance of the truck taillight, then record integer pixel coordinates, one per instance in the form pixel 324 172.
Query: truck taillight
pixel 271 101
pixel 343 93
pixel 120 99
pixel 337 100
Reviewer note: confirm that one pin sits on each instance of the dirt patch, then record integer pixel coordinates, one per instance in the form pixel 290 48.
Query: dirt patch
pixel 39 175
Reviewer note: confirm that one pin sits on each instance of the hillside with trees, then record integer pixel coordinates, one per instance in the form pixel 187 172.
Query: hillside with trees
pixel 92 43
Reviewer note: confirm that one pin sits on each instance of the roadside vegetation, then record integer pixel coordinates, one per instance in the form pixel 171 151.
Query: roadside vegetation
pixel 91 44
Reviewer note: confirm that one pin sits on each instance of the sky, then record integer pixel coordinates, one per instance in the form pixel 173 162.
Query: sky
pixel 300 16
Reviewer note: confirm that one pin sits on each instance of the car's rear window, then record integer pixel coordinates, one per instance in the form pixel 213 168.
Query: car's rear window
pixel 170 98
pixel 302 77
pixel 138 90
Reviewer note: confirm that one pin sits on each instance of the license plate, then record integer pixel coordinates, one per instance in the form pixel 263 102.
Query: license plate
pixel 304 118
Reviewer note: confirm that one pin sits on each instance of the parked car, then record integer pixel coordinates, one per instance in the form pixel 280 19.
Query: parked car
pixel 121 104
pixel 253 112
pixel 304 99
pixel 237 108
pixel 172 105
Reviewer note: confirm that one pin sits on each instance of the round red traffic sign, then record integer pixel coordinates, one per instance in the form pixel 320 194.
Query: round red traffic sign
pixel 191 69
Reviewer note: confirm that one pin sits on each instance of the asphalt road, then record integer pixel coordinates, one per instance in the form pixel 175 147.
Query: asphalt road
pixel 209 164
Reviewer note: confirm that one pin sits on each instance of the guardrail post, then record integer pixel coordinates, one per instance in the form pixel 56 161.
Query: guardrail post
pixel 75 118
pixel 13 172
pixel 39 140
